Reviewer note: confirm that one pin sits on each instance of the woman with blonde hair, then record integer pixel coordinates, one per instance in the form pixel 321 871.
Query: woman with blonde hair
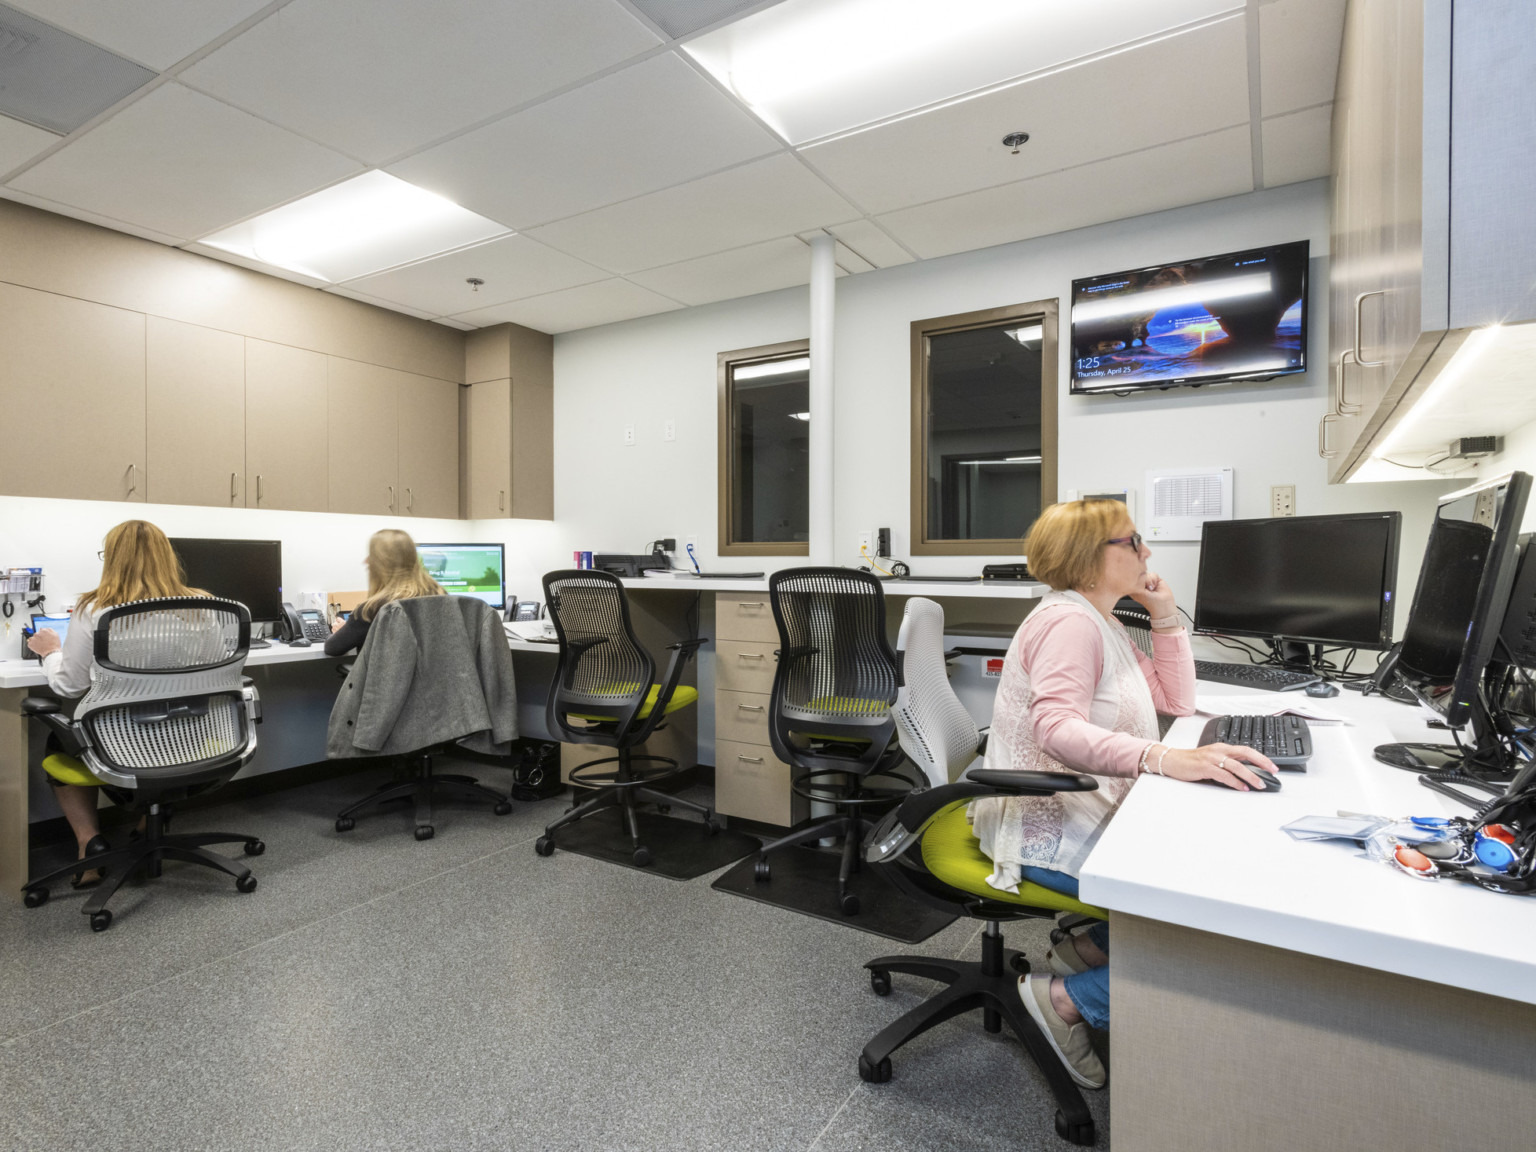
pixel 395 572
pixel 1077 695
pixel 138 563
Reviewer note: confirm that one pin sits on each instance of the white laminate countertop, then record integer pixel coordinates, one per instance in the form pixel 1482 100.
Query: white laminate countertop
pixel 1211 858
pixel 982 590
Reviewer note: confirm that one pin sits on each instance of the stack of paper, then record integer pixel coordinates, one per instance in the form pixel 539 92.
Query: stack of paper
pixel 1265 706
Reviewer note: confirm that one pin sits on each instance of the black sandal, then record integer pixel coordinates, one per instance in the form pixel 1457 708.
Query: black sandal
pixel 93 847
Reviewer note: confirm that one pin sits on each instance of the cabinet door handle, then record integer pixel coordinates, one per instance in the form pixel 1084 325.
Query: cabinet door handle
pixel 750 707
pixel 501 500
pixel 1340 405
pixel 750 759
pixel 1322 436
pixel 391 504
pixel 749 603
pixel 1359 355
pixel 258 488
pixel 749 655
pixel 232 487
pixel 133 479
pixel 410 500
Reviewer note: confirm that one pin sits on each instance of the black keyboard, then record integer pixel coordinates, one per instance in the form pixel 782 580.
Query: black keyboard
pixel 1284 739
pixel 1253 675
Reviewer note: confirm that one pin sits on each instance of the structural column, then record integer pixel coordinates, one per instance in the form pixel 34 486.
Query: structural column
pixel 823 303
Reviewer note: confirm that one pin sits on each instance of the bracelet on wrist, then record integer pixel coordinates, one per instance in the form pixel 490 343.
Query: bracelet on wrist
pixel 1161 756
pixel 1141 765
pixel 1170 621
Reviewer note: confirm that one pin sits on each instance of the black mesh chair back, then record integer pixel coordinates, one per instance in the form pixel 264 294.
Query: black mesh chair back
pixel 1137 621
pixel 603 669
pixel 836 675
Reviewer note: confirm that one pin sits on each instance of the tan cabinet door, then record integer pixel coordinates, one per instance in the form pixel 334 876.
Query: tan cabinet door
pixel 489 443
pixel 533 448
pixel 78 368
pixel 196 424
pixel 429 447
pixel 364 437
pixel 285 427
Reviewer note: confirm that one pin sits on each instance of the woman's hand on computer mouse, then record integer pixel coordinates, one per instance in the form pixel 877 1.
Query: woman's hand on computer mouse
pixel 45 642
pixel 1153 594
pixel 1218 763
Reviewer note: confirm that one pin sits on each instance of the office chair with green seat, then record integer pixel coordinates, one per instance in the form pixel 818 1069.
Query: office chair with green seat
pixel 949 871
pixel 830 712
pixel 605 692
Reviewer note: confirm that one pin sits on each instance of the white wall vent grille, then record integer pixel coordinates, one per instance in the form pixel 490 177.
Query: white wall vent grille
pixel 1180 500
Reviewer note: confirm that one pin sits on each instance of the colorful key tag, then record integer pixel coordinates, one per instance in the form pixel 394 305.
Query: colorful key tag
pixel 1414 862
pixel 1494 847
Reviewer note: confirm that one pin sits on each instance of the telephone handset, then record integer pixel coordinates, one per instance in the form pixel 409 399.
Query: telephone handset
pixel 302 628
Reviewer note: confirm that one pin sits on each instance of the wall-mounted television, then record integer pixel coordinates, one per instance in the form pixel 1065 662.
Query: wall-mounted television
pixel 1218 320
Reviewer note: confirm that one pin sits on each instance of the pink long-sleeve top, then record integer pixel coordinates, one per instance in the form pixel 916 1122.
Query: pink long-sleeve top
pixel 1063 653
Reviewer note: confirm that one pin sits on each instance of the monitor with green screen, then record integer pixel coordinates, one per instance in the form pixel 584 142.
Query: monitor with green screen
pixel 477 570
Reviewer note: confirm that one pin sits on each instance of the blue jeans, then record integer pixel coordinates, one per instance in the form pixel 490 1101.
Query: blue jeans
pixel 1089 991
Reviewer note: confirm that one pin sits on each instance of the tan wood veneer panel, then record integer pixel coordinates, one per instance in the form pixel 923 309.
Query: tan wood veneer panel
pixel 285 428
pixel 196 414
pixel 364 428
pixel 488 444
pixel 429 447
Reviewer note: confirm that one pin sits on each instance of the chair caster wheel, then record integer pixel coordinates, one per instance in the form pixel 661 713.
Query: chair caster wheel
pixel 35 897
pixel 711 826
pixel 544 846
pixel 254 847
pixel 101 921
pixel 1020 964
pixel 345 823
pixel 1081 1133
pixel 761 871
pixel 850 904
pixel 874 1073
pixel 642 856
pixel 880 981
pixel 246 884
pixel 1058 935
pixel 425 832
pixel 503 809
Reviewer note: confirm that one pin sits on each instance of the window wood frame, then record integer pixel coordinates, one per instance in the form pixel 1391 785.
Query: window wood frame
pixel 1047 313
pixel 727 544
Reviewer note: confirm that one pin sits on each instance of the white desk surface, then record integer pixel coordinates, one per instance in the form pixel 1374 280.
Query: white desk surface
pixel 1211 858
pixel 982 590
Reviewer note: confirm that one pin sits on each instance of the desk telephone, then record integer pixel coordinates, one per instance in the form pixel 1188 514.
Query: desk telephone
pixel 301 627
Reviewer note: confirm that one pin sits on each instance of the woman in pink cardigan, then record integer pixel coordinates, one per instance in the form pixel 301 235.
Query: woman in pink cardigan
pixel 1077 695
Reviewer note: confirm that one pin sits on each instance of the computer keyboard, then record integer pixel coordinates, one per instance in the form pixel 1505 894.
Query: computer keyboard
pixel 1284 739
pixel 1253 675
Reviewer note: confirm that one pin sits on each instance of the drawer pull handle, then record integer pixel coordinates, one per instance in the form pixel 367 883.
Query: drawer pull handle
pixel 749 655
pixel 749 603
pixel 750 759
pixel 750 707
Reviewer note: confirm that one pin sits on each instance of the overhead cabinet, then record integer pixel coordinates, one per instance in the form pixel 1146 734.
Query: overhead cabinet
pixel 286 428
pixel 509 424
pixel 1424 252
pixel 195 388
pixel 394 441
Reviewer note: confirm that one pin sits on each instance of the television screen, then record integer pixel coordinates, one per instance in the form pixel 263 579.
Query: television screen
pixel 476 570
pixel 1241 316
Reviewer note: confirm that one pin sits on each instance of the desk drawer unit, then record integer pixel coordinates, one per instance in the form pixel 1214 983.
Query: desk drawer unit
pixel 742 717
pixel 752 783
pixel 745 616
pixel 745 665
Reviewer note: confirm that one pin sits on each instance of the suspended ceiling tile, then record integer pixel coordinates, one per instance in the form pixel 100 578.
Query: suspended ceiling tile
pixel 512 267
pixel 605 302
pixel 762 200
pixel 391 305
pixel 450 322
pixel 89 217
pixel 20 142
pixel 377 78
pixel 1298 146
pixel 1206 168
pixel 157 33
pixel 183 164
pixel 1299 45
pixel 652 125
pixel 866 238
pixel 747 271
pixel 681 17
pixel 1170 89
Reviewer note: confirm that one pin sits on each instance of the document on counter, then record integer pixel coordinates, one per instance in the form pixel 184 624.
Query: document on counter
pixel 1266 706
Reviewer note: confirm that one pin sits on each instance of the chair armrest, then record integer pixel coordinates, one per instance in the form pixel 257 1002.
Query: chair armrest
pixel 682 652
pixel 691 645
pixel 920 807
pixel 39 706
pixel 49 712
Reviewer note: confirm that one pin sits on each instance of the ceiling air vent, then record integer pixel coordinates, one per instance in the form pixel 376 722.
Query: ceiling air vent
pixel 679 18
pixel 58 81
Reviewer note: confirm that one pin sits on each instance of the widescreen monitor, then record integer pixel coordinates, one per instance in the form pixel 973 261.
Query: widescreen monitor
pixel 1317 579
pixel 1464 590
pixel 1238 316
pixel 248 571
pixel 477 570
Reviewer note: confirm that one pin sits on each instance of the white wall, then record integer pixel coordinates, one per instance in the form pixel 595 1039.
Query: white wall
pixel 322 551
pixel 646 371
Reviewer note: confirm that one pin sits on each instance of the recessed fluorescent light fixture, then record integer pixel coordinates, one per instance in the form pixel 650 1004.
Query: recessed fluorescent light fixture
pixel 363 225
pixel 771 368
pixel 814 68
pixel 1028 334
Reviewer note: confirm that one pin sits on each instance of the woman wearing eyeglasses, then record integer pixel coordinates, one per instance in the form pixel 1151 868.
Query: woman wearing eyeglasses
pixel 1077 695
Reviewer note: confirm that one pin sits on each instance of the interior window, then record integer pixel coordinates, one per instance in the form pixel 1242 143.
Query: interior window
pixel 765 450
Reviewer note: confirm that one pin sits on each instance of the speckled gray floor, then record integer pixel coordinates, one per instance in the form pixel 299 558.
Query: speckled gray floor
pixel 463 993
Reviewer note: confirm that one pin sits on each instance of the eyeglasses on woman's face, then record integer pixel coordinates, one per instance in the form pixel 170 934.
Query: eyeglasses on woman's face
pixel 101 555
pixel 1134 540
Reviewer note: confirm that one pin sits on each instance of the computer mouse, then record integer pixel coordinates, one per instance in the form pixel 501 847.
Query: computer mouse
pixel 1322 689
pixel 1270 780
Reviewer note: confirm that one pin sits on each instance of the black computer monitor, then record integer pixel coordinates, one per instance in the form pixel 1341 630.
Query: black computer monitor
pixel 1463 594
pixel 477 570
pixel 250 571
pixel 1312 579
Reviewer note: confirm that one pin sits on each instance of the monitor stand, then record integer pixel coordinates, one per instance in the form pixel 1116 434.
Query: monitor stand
pixel 1419 757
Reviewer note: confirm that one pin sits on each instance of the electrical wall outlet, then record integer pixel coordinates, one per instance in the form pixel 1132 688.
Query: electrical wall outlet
pixel 629 435
pixel 882 541
pixel 669 430
pixel 866 542
pixel 1282 499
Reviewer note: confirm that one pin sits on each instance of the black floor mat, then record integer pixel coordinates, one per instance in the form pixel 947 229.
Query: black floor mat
pixel 805 881
pixel 680 849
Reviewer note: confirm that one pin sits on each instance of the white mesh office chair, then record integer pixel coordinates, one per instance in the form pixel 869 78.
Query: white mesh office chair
pixel 168 715
pixel 935 730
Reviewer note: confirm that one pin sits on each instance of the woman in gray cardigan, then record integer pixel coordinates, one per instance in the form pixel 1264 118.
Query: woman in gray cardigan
pixel 395 572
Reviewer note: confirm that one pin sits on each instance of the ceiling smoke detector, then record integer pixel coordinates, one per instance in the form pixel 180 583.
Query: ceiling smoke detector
pixel 1014 140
